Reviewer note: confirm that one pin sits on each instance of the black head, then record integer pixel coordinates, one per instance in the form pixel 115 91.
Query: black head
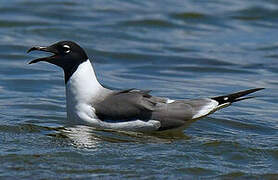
pixel 66 54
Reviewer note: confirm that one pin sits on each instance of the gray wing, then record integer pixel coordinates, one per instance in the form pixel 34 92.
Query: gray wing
pixel 126 105
pixel 134 104
pixel 179 112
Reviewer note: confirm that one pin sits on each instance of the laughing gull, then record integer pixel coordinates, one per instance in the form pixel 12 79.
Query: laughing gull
pixel 129 110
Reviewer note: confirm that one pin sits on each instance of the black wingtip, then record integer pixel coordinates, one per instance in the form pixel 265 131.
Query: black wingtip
pixel 230 98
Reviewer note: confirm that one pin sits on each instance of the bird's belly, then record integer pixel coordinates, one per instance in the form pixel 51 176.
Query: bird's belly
pixel 135 125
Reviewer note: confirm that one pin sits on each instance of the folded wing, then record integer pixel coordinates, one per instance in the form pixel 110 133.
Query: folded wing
pixel 132 104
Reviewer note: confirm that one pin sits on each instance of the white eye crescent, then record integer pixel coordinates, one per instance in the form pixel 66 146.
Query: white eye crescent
pixel 67 48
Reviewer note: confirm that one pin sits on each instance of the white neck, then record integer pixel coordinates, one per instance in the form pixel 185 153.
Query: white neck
pixel 83 91
pixel 83 86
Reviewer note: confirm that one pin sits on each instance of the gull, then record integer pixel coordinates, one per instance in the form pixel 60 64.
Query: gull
pixel 88 102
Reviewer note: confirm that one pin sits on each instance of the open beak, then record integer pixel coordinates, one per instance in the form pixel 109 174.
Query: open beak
pixel 46 49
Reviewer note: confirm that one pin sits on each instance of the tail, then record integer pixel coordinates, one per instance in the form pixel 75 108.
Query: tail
pixel 238 96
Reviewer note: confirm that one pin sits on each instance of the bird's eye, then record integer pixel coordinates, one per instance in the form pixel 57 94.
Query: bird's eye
pixel 66 48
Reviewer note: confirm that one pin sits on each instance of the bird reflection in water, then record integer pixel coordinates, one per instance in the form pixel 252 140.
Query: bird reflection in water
pixel 83 136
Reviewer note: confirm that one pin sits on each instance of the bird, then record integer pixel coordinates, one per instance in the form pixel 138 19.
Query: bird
pixel 89 102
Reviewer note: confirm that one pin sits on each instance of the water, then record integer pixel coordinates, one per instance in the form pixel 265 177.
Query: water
pixel 178 49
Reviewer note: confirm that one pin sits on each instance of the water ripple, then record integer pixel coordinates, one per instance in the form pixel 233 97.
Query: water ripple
pixel 177 49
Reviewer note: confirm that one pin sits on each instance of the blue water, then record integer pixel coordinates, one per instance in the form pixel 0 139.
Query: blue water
pixel 178 49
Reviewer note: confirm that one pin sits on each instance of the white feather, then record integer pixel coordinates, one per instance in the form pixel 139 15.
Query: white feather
pixel 207 109
pixel 169 101
pixel 81 89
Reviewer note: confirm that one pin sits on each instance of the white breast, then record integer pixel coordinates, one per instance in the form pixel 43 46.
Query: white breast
pixel 81 90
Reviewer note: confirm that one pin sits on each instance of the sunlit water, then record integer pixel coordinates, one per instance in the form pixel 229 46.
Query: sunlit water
pixel 179 49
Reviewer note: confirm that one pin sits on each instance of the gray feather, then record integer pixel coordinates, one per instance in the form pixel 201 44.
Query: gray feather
pixel 134 104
